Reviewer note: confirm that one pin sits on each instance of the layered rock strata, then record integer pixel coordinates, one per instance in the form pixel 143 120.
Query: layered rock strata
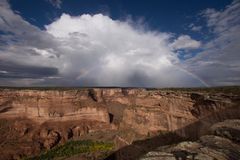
pixel 46 118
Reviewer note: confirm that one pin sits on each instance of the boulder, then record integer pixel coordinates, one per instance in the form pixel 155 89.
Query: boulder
pixel 229 129
pixel 52 139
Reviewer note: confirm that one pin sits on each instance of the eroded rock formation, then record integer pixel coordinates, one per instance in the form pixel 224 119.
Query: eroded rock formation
pixel 222 144
pixel 38 119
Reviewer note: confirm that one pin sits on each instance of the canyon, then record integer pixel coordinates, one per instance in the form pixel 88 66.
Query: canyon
pixel 135 120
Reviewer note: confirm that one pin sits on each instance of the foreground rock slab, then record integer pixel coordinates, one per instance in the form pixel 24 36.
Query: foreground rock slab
pixel 222 145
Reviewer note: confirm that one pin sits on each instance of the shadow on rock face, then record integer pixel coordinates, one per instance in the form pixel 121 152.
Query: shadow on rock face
pixel 191 132
pixel 182 155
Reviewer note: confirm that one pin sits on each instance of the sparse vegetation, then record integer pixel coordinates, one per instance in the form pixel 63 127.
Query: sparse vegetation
pixel 73 148
pixel 223 89
pixel 219 89
pixel 43 88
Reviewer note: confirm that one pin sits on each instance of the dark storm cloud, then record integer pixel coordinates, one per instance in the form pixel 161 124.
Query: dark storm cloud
pixel 139 79
pixel 95 50
pixel 12 70
pixel 92 50
pixel 15 30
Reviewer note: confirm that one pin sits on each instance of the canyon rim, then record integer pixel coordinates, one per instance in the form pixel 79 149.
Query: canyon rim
pixel 130 121
pixel 119 80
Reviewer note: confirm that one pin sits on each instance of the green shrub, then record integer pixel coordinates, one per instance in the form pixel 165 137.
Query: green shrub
pixel 73 148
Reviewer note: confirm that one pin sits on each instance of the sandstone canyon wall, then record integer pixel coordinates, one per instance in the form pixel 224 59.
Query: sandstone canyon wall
pixel 71 113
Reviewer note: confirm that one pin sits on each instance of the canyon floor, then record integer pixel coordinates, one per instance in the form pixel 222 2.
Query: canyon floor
pixel 120 123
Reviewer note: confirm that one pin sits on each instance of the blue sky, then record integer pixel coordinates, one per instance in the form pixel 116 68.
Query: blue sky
pixel 119 43
pixel 166 16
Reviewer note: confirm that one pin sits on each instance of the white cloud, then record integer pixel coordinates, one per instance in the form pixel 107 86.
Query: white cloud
pixel 218 64
pixel 96 50
pixel 116 53
pixel 90 50
pixel 195 28
pixel 185 42
pixel 220 21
